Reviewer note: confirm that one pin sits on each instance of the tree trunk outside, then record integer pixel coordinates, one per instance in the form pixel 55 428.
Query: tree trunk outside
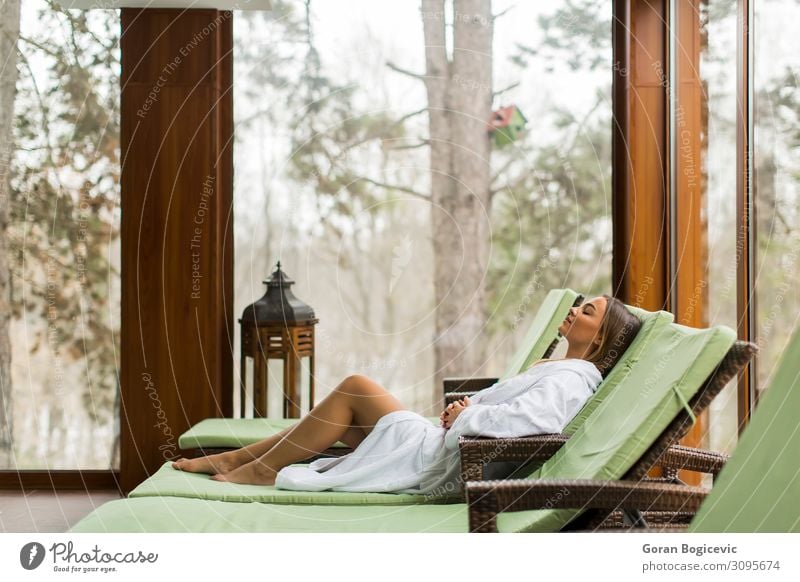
pixel 460 101
pixel 9 32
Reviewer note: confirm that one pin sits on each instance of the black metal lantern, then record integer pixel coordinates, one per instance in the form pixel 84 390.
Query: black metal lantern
pixel 277 326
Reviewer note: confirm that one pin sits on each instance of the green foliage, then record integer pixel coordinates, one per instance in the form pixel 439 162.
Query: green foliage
pixel 577 33
pixel 549 225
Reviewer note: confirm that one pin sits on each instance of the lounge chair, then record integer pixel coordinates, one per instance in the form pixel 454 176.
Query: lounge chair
pixel 758 490
pixel 170 482
pixel 216 434
pixel 631 430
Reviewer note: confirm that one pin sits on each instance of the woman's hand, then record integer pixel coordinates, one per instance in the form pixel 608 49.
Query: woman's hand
pixel 445 412
pixel 449 415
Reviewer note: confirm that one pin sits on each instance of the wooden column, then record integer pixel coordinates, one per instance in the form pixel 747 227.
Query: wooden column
pixel 177 230
pixel 659 236
pixel 746 243
pixel 639 153
pixel 688 298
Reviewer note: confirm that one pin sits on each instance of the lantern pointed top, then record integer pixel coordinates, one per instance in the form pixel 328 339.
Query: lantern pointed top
pixel 278 278
pixel 279 305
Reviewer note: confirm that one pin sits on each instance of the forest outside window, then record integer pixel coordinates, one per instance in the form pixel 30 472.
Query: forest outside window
pixel 62 403
pixel 343 173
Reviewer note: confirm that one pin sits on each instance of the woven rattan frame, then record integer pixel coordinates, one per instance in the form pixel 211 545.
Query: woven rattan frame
pixel 601 498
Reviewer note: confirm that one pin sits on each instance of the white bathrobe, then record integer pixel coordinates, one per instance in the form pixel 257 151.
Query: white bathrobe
pixel 405 453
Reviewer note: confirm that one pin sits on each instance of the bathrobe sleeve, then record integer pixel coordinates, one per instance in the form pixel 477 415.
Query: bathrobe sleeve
pixel 545 408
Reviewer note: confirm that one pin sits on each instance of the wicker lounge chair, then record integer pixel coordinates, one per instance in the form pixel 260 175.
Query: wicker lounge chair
pixel 756 492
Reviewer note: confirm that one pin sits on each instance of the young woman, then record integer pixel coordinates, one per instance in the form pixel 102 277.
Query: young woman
pixel 396 450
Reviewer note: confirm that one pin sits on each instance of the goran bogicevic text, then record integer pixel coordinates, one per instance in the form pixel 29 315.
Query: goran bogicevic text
pixel 690 549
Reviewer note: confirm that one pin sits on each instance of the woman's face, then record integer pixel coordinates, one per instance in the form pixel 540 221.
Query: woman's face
pixel 582 325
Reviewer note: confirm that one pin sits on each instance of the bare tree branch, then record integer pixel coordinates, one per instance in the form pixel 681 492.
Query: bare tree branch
pixel 408 116
pixel 395 187
pixel 583 121
pixel 38 45
pixel 494 191
pixel 502 170
pixel 402 71
pixel 43 108
pixel 75 25
pixel 508 186
pixel 505 90
pixel 502 13
pixel 421 144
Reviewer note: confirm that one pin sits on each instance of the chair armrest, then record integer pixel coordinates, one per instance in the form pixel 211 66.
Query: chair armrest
pixel 467 384
pixel 678 457
pixel 476 452
pixel 488 498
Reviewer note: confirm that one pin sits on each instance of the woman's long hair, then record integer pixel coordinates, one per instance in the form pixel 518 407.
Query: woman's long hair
pixel 617 330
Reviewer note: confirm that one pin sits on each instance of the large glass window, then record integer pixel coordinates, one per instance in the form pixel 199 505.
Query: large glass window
pixel 777 179
pixel 63 238
pixel 776 111
pixel 333 177
pixel 717 21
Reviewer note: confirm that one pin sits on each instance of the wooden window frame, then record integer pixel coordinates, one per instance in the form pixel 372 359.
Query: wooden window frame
pixel 58 480
pixel 746 308
pixel 653 38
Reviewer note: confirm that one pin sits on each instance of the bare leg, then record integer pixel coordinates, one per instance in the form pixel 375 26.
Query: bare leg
pixel 356 402
pixel 229 460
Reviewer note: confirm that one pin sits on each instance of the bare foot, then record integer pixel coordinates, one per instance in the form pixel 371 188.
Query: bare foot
pixel 253 473
pixel 219 463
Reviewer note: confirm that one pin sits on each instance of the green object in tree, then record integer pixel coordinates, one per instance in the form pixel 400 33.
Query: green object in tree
pixel 508 124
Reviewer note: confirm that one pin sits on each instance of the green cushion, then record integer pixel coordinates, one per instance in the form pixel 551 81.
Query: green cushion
pixel 543 330
pixel 239 432
pixel 233 432
pixel 759 488
pixel 652 324
pixel 628 421
pixel 631 417
pixel 171 482
pixel 175 514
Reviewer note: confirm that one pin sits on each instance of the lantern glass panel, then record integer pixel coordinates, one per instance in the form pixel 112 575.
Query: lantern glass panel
pixel 305 381
pixel 248 383
pixel 275 382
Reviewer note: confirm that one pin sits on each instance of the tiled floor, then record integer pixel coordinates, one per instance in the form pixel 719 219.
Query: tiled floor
pixel 48 511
